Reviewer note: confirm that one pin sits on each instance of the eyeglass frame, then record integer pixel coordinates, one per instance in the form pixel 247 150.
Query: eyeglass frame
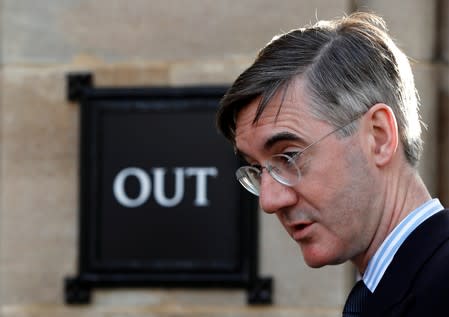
pixel 255 189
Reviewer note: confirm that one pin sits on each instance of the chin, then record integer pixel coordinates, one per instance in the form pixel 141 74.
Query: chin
pixel 315 264
pixel 319 260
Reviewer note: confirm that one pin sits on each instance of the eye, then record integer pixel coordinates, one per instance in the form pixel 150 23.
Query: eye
pixel 292 154
pixel 291 159
pixel 284 161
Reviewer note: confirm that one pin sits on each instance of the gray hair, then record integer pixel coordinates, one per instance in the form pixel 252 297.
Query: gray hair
pixel 348 65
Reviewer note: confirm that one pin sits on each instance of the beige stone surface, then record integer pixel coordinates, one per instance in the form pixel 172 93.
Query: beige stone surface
pixel 136 74
pixel 219 72
pixel 412 24
pixel 165 311
pixel 444 29
pixel 169 297
pixel 38 181
pixel 37 122
pixel 426 80
pixel 117 30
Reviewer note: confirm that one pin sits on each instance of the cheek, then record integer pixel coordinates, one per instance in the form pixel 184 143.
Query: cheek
pixel 356 213
pixel 324 188
pixel 339 235
pixel 341 197
pixel 342 182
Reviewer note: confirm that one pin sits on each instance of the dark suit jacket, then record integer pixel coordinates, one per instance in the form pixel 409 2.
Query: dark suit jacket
pixel 417 281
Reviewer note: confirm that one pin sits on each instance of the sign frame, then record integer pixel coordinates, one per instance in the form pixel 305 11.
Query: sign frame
pixel 91 274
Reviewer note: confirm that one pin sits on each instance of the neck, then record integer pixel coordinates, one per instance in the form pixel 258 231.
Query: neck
pixel 404 192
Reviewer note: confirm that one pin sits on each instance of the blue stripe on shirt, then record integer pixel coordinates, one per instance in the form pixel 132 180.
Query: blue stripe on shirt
pixel 379 263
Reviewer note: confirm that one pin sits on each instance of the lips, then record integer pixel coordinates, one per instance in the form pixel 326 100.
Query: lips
pixel 301 230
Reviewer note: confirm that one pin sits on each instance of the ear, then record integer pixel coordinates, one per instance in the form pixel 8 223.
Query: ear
pixel 383 130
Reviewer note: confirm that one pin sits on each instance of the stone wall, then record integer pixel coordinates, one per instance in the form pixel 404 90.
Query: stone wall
pixel 174 43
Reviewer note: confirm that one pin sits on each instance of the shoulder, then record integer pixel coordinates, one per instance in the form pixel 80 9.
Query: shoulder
pixel 428 251
pixel 417 281
pixel 428 294
pixel 434 273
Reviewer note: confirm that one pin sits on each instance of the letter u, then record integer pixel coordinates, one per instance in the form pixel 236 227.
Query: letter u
pixel 159 187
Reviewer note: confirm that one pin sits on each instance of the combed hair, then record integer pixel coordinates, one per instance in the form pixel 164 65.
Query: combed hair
pixel 348 65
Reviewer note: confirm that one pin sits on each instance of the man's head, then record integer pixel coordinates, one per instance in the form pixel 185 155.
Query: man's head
pixel 348 65
pixel 320 116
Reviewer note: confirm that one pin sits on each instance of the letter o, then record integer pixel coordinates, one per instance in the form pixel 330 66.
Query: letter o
pixel 119 187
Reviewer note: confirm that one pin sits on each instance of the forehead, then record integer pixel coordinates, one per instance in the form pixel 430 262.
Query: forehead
pixel 293 118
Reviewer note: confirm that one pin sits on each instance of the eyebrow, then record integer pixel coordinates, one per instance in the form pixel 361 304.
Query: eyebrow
pixel 282 136
pixel 278 137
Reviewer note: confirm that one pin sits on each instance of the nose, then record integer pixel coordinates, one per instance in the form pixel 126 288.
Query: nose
pixel 274 196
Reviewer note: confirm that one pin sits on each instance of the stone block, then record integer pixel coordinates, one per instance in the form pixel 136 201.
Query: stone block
pixel 38 183
pixel 149 30
pixel 164 311
pixel 156 297
pixel 209 72
pixel 49 311
pixel 38 233
pixel 416 36
pixel 37 121
pixel 132 75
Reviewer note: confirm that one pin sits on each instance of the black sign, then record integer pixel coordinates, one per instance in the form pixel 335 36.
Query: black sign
pixel 159 203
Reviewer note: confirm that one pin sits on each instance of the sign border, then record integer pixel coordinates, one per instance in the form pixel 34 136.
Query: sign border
pixel 77 289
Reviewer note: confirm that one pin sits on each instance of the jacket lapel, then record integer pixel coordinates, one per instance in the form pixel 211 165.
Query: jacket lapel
pixel 394 287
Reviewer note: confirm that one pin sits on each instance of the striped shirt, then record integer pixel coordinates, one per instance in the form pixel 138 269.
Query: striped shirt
pixel 379 263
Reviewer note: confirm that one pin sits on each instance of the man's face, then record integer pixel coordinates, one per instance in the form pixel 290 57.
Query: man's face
pixel 329 211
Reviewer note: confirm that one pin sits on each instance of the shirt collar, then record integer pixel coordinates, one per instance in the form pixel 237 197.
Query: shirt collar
pixel 379 263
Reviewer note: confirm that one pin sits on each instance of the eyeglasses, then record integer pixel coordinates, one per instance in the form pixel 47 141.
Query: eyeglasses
pixel 282 167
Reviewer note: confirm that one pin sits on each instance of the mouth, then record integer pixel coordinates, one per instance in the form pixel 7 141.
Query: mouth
pixel 301 226
pixel 301 231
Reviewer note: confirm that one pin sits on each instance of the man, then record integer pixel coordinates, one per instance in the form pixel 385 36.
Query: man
pixel 327 119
